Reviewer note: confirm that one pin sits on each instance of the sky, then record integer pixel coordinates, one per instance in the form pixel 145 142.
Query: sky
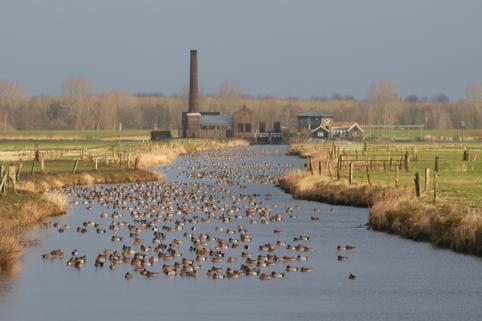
pixel 268 47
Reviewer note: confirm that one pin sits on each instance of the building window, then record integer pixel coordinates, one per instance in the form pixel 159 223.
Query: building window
pixel 247 127
pixel 211 127
pixel 240 128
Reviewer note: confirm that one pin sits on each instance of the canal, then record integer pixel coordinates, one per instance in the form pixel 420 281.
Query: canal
pixel 226 195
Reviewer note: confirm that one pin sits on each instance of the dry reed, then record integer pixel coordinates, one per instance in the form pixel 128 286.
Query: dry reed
pixel 395 211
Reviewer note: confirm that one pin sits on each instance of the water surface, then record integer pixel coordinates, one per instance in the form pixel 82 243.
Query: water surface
pixel 397 279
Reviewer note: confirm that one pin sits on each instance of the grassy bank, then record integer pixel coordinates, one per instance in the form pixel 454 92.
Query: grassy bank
pixel 30 205
pixel 453 220
pixel 18 211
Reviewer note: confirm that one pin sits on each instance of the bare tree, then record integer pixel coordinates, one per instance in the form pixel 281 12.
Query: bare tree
pixel 474 91
pixel 79 86
pixel 389 90
pixel 229 89
pixel 373 93
pixel 11 89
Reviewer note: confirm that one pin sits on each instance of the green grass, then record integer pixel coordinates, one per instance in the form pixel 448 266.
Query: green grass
pixel 67 134
pixel 415 134
pixel 458 181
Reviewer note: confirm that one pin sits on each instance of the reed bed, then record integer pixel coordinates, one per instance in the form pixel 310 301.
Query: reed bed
pixel 395 210
pixel 18 211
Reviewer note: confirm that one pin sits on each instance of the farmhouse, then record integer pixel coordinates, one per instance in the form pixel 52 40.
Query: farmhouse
pixel 338 130
pixel 312 120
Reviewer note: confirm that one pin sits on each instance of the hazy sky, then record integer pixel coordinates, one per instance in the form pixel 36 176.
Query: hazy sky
pixel 278 47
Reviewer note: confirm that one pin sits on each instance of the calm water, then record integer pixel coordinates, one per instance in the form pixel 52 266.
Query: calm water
pixel 397 279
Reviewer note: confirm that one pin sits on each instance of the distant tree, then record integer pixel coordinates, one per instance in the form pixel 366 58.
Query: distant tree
pixel 373 93
pixel 319 98
pixel 389 90
pixel 441 98
pixel 11 89
pixel 79 86
pixel 474 91
pixel 412 99
pixel 229 89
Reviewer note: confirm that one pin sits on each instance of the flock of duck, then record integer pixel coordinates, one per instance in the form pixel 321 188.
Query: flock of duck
pixel 195 224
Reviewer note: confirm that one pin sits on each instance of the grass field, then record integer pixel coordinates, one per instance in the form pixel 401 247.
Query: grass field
pixel 452 220
pixel 72 134
pixel 454 135
pixel 458 181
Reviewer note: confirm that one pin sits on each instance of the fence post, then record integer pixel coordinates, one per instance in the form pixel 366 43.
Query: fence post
pixel 417 185
pixel 436 163
pixel 407 161
pixel 136 163
pixel 435 176
pixel 33 166
pixel 20 166
pixel 369 179
pixel 351 173
pixel 397 176
pixel 466 155
pixel 2 171
pixel 427 178
pixel 319 168
pixel 96 164
pixel 42 165
pixel 75 166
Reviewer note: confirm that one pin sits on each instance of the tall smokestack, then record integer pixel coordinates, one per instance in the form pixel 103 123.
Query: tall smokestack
pixel 193 85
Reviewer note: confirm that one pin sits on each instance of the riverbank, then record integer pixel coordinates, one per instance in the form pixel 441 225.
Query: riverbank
pixel 30 205
pixel 396 210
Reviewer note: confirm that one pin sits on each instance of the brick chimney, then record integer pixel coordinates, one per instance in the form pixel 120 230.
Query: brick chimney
pixel 193 85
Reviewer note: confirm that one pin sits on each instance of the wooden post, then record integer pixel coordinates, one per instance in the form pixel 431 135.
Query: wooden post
pixel 436 163
pixel 417 185
pixel 136 163
pixel 466 155
pixel 319 168
pixel 36 153
pixel 369 179
pixel 391 163
pixel 397 177
pixel 427 178
pixel 435 176
pixel 350 179
pixel 2 171
pixel 96 164
pixel 3 184
pixel 33 166
pixel 311 165
pixel 81 154
pixel 42 165
pixel 407 161
pixel 75 166
pixel 20 166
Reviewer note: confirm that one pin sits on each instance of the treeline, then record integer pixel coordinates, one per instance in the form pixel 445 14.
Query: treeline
pixel 109 110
